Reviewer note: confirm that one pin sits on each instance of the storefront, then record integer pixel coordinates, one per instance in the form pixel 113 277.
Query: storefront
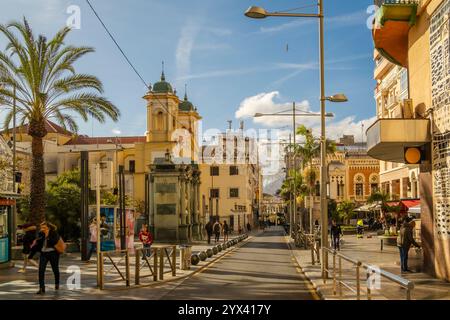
pixel 7 203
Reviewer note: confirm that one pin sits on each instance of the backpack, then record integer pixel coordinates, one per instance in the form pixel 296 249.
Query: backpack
pixel 217 228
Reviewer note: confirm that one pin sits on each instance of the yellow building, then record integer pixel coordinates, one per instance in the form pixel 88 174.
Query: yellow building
pixel 231 181
pixel 180 199
pixel 352 176
pixel 415 35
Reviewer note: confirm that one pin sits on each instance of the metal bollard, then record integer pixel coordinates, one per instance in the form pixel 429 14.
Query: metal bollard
pixel 127 268
pixel 137 268
pixel 358 282
pixel 334 273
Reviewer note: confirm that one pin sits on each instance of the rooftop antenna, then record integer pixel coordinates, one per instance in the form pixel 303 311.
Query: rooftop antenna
pixel 163 77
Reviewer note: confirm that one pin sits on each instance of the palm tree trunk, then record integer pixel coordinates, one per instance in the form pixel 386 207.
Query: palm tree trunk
pixel 37 189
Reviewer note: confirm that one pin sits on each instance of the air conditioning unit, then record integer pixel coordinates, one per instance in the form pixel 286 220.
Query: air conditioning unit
pixel 106 175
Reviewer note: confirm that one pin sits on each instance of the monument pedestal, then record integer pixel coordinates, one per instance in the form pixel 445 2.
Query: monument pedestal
pixel 196 234
pixel 183 233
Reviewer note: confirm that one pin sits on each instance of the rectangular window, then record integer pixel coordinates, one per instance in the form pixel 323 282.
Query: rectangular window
pixel 214 193
pixel 132 166
pixel 403 80
pixel 214 171
pixel 359 189
pixel 234 171
pixel 234 192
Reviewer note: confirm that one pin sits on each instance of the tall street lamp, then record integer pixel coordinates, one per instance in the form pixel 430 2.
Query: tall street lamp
pixel 260 13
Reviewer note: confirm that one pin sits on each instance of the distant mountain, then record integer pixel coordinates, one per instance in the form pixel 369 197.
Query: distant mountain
pixel 272 183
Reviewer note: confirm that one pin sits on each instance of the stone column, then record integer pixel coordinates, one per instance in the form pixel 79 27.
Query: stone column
pixel 183 230
pixel 196 231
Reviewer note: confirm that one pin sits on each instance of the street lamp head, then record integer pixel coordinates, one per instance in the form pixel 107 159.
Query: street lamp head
pixel 329 115
pixel 256 12
pixel 258 115
pixel 339 97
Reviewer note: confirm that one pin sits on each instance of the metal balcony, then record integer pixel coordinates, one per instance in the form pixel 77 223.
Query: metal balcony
pixel 387 138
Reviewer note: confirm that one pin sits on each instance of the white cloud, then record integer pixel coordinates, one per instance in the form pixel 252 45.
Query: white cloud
pixel 347 126
pixel 184 49
pixel 266 103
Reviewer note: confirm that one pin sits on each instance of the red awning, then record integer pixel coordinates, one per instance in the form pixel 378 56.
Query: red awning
pixel 410 203
pixel 392 203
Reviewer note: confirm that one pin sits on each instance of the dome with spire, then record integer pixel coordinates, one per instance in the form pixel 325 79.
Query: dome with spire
pixel 186 105
pixel 162 86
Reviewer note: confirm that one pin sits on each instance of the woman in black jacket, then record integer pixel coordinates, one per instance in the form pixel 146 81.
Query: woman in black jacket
pixel 45 244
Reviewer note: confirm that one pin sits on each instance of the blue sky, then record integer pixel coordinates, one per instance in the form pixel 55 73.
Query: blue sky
pixel 232 65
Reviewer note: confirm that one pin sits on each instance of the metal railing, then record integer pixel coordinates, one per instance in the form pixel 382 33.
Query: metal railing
pixel 355 286
pixel 167 255
pixel 145 264
pixel 115 266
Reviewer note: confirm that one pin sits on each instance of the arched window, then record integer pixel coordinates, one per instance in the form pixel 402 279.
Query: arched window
pixel 159 121
pixel 359 185
pixel 374 183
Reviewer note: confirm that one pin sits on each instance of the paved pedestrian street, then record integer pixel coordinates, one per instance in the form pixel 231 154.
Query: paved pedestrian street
pixel 260 268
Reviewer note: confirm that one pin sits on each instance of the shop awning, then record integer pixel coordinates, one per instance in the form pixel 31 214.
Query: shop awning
pixel 415 210
pixel 410 203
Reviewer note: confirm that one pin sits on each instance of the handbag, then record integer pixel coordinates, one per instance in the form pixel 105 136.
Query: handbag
pixel 60 246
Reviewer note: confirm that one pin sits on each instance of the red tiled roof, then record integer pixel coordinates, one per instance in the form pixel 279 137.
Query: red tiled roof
pixel 50 126
pixel 80 140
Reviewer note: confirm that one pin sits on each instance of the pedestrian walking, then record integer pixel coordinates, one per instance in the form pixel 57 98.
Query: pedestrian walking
pixel 92 239
pixel 217 228
pixel 226 231
pixel 405 240
pixel 146 239
pixel 360 229
pixel 209 231
pixel 50 245
pixel 249 227
pixel 239 229
pixel 336 233
pixel 27 241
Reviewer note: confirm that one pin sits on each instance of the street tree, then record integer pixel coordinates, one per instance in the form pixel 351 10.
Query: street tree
pixel 39 74
pixel 345 210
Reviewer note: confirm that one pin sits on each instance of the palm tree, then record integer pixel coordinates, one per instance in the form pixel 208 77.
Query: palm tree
pixel 307 151
pixel 40 74
pixel 345 210
pixel 380 197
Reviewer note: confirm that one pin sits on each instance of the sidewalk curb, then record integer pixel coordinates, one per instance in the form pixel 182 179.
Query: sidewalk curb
pixel 317 289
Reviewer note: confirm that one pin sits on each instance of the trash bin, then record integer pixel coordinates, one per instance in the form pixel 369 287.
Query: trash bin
pixel 185 257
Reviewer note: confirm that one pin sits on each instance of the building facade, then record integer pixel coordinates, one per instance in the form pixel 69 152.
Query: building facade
pixel 352 176
pixel 231 186
pixel 415 35
pixel 399 180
